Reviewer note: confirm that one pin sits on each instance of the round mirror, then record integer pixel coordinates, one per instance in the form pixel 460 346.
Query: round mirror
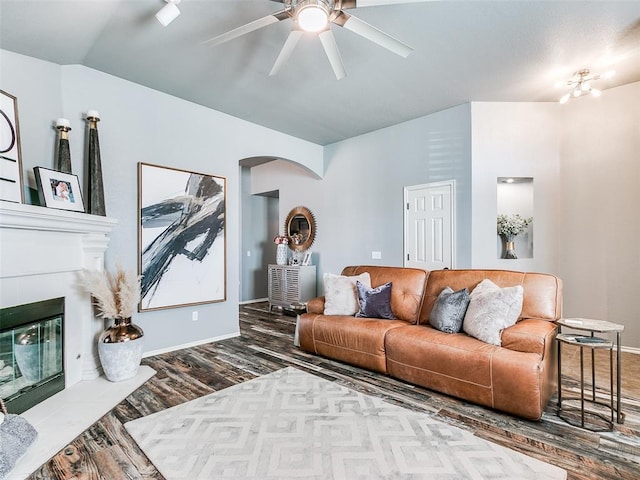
pixel 300 227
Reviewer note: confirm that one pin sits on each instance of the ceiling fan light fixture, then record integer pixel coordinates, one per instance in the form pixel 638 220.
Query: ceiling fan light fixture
pixel 312 15
pixel 168 13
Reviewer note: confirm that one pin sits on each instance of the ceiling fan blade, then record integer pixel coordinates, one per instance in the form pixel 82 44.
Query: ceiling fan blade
pixel 249 27
pixel 377 3
pixel 371 33
pixel 287 50
pixel 333 54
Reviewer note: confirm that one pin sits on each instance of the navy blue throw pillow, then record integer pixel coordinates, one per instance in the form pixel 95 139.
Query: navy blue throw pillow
pixel 375 302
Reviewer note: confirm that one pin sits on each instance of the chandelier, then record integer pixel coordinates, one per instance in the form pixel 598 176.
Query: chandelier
pixel 580 84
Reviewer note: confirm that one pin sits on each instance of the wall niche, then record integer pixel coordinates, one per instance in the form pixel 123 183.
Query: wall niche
pixel 515 197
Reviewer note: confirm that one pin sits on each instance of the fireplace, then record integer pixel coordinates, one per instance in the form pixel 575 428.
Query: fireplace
pixel 43 250
pixel 31 353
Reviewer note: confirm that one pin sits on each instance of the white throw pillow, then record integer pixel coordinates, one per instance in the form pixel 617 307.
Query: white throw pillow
pixel 341 294
pixel 491 310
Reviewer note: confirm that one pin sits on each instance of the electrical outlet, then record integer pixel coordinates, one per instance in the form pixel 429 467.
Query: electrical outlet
pixel 376 255
pixel 248 253
pixel 194 316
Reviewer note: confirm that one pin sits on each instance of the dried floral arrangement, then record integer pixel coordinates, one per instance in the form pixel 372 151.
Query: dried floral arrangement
pixel 116 294
pixel 512 225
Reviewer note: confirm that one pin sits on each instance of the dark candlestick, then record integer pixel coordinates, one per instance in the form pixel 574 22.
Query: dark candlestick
pixel 95 195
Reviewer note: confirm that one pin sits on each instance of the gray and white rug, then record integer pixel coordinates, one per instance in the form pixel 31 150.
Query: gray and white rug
pixel 291 424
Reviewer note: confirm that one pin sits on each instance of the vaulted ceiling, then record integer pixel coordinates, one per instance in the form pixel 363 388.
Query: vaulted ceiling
pixel 463 51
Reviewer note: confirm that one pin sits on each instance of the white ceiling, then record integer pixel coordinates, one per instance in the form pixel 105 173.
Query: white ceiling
pixel 464 51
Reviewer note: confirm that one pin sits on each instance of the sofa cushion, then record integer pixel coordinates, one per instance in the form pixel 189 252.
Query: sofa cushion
pixel 341 296
pixel 491 310
pixel 357 341
pixel 448 311
pixel 542 291
pixel 408 287
pixel 375 302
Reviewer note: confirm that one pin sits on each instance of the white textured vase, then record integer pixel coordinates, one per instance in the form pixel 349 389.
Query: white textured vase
pixel 120 361
pixel 120 350
pixel 281 254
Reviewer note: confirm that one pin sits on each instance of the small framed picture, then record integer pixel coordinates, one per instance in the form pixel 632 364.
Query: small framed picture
pixel 58 189
pixel 307 258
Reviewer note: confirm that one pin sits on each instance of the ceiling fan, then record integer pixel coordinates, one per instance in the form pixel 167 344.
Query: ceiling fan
pixel 315 16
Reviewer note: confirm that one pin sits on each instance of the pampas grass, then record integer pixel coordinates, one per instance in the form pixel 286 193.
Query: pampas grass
pixel 116 295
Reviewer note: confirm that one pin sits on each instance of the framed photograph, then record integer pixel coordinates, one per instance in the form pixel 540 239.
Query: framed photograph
pixel 181 237
pixel 307 258
pixel 10 153
pixel 58 189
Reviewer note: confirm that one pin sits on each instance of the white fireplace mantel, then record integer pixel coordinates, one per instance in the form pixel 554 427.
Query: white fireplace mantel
pixel 41 252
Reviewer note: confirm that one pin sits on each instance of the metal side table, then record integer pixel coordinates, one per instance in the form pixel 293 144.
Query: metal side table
pixel 593 343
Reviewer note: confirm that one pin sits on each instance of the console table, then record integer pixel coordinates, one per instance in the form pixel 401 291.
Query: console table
pixel 593 343
pixel 291 284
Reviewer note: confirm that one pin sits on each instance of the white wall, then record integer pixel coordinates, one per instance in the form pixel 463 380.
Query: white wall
pixel 599 225
pixel 359 203
pixel 143 125
pixel 515 140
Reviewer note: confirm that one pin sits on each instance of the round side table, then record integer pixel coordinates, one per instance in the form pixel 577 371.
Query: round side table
pixel 592 343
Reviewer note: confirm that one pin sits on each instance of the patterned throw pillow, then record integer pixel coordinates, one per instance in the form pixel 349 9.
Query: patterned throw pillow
pixel 491 310
pixel 448 312
pixel 375 302
pixel 340 294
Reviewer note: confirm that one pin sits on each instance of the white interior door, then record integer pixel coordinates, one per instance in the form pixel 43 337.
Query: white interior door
pixel 429 226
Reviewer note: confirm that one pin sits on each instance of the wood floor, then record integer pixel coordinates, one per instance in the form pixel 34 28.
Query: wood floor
pixel 106 451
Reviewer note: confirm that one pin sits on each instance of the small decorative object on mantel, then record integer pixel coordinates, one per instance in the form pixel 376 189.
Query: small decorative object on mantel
pixel 95 197
pixel 510 226
pixel 10 153
pixel 117 296
pixel 62 160
pixel 58 189
pixel 282 249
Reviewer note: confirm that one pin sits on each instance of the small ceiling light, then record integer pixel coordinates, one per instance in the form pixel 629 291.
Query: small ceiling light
pixel 580 84
pixel 169 12
pixel 312 15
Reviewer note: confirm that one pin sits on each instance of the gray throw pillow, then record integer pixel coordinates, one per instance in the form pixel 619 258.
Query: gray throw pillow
pixel 375 302
pixel 448 312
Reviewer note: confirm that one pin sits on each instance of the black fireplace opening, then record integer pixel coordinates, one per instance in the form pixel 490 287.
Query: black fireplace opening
pixel 31 353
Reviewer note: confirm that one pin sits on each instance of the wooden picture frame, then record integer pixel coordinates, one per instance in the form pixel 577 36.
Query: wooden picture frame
pixel 59 190
pixel 181 237
pixel 11 188
pixel 306 260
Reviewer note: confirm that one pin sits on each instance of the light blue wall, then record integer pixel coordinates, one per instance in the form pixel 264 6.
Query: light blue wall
pixel 359 202
pixel 139 124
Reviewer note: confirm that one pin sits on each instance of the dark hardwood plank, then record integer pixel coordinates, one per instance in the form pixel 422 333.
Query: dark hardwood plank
pixel 106 451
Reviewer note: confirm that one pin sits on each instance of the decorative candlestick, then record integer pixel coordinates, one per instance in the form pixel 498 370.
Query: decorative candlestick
pixel 95 196
pixel 62 160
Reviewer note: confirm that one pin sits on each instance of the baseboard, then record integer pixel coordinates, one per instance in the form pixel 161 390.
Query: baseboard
pixel 257 300
pixel 630 350
pixel 190 344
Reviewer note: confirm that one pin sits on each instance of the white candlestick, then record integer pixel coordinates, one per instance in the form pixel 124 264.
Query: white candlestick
pixel 93 114
pixel 63 122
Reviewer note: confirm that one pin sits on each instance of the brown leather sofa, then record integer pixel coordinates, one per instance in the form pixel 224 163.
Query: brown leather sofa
pixel 518 377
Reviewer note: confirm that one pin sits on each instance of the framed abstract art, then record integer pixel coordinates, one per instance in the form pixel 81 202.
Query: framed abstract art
pixel 10 153
pixel 181 237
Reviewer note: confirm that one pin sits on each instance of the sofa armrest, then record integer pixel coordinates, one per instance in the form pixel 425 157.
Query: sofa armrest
pixel 316 305
pixel 530 335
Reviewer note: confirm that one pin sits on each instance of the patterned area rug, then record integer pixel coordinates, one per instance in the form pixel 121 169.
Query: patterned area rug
pixel 291 424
